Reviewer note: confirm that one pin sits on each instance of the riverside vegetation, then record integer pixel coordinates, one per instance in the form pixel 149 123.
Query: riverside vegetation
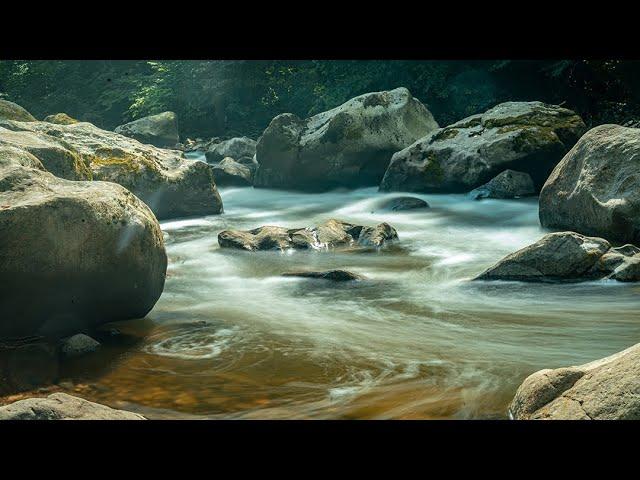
pixel 339 254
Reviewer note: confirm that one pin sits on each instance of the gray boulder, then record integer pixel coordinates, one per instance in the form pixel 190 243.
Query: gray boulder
pixel 13 111
pixel 237 148
pixel 231 173
pixel 398 204
pixel 78 345
pixel 328 235
pixel 607 389
pixel 333 275
pixel 567 256
pixel 74 254
pixel 171 185
pixel 348 146
pixel 529 137
pixel 60 406
pixel 508 184
pixel 594 189
pixel 160 130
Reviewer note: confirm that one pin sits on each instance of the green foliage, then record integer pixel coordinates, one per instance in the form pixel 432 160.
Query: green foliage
pixel 240 97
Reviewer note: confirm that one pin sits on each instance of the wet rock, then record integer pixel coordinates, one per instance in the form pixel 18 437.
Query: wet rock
pixel 160 130
pixel 239 148
pixel 398 204
pixel 13 111
pixel 60 119
pixel 607 389
pixel 348 146
pixel 171 185
pixel 567 256
pixel 231 173
pixel 594 189
pixel 60 406
pixel 334 275
pixel 508 184
pixel 74 254
pixel 529 137
pixel 330 234
pixel 78 345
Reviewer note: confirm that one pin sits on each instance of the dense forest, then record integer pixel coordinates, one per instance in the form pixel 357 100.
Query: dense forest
pixel 230 98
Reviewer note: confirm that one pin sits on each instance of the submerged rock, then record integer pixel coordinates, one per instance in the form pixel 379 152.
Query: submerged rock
pixel 594 189
pixel 60 119
pixel 231 173
pixel 77 345
pixel 348 146
pixel 334 275
pixel 13 111
pixel 607 389
pixel 529 137
pixel 74 254
pixel 568 256
pixel 398 204
pixel 60 406
pixel 508 184
pixel 239 148
pixel 27 364
pixel 171 185
pixel 160 130
pixel 330 234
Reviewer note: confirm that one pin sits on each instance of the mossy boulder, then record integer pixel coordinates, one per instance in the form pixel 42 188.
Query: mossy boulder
pixel 160 130
pixel 60 119
pixel 595 190
pixel 348 146
pixel 170 184
pixel 73 254
pixel 13 111
pixel 529 137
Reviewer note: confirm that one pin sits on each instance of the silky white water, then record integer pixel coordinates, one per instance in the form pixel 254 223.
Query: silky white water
pixel 231 338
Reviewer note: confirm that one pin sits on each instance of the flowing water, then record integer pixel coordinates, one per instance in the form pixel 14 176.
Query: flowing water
pixel 231 338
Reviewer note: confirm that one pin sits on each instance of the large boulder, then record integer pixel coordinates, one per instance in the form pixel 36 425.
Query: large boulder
pixel 73 254
pixel 529 137
pixel 60 406
pixel 160 130
pixel 569 256
pixel 238 148
pixel 607 389
pixel 170 184
pixel 13 111
pixel 595 188
pixel 60 119
pixel 328 235
pixel 348 146
pixel 231 173
pixel 508 184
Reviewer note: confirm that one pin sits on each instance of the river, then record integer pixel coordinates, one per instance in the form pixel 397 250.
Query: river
pixel 231 338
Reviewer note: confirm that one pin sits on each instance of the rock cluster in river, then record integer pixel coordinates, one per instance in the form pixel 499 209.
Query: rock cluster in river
pixel 330 234
pixel 607 389
pixel 595 190
pixel 73 254
pixel 160 130
pixel 348 146
pixel 171 185
pixel 529 137
pixel 568 256
pixel 60 406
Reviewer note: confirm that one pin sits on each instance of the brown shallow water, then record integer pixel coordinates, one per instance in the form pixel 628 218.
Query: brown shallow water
pixel 231 338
